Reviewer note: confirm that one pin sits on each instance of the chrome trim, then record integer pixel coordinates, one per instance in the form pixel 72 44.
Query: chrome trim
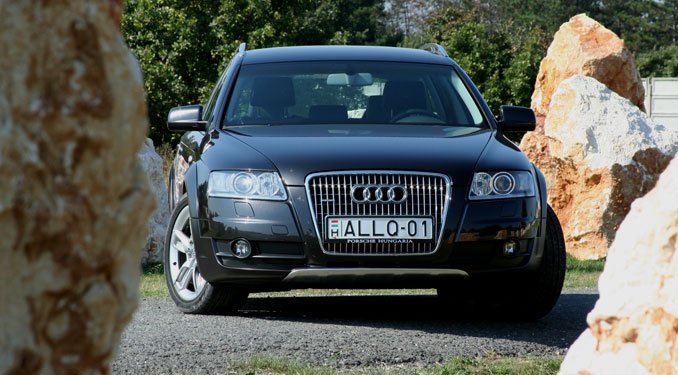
pixel 379 194
pixel 319 274
pixel 443 218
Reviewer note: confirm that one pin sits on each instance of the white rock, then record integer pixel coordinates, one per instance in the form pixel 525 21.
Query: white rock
pixel 152 164
pixel 602 154
pixel 605 128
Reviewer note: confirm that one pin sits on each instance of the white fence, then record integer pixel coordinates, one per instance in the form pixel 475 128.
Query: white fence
pixel 661 100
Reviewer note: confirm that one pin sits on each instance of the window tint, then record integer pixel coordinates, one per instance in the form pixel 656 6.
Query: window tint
pixel 208 110
pixel 351 92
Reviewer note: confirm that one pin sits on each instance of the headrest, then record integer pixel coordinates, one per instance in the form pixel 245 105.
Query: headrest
pixel 404 95
pixel 272 92
pixel 328 113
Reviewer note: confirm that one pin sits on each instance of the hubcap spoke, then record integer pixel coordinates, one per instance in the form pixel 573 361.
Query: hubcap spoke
pixel 195 279
pixel 183 264
pixel 186 274
pixel 184 240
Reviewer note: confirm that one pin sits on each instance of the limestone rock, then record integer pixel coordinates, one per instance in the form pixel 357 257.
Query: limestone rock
pixel 633 328
pixel 603 154
pixel 75 202
pixel 152 164
pixel 583 46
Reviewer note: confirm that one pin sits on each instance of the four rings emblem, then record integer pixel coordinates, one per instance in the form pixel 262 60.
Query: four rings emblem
pixel 369 193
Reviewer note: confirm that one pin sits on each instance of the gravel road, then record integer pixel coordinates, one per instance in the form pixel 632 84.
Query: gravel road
pixel 338 331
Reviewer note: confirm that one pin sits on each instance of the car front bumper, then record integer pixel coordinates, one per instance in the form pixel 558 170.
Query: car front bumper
pixel 288 253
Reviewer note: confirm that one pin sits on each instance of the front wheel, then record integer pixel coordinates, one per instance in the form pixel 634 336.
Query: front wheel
pixel 188 289
pixel 527 296
pixel 543 287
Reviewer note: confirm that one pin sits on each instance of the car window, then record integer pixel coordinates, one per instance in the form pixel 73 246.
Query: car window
pixel 208 110
pixel 351 92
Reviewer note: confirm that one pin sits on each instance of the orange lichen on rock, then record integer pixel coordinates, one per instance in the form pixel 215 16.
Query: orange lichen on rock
pixel 583 46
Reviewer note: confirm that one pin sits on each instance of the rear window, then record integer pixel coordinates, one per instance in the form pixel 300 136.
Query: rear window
pixel 351 92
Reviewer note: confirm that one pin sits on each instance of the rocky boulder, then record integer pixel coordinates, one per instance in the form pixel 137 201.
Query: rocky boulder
pixel 605 153
pixel 583 46
pixel 75 202
pixel 152 164
pixel 633 328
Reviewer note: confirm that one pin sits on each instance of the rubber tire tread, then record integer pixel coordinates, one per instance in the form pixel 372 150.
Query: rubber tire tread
pixel 547 283
pixel 214 299
pixel 541 289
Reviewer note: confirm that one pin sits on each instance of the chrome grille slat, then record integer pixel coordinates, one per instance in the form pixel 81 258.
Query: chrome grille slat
pixel 329 194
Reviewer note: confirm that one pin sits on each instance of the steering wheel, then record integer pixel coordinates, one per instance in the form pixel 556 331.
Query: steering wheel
pixel 414 112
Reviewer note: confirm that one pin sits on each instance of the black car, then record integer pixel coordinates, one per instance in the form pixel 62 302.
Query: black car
pixel 357 167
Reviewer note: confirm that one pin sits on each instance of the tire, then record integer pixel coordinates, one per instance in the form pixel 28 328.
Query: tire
pixel 193 294
pixel 542 287
pixel 527 296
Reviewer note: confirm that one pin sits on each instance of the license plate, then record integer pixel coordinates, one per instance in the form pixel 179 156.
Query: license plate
pixel 349 229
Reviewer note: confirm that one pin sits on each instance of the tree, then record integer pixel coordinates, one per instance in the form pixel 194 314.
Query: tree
pixel 501 58
pixel 662 62
pixel 173 41
pixel 640 23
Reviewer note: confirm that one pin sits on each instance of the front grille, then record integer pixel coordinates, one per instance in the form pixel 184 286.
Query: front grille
pixel 330 195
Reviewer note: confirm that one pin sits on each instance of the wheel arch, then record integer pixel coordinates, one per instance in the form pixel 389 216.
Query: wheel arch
pixel 543 191
pixel 190 189
pixel 538 251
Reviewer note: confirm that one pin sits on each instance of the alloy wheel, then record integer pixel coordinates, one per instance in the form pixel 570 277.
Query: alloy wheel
pixel 183 267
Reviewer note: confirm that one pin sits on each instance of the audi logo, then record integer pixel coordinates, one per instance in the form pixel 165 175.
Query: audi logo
pixel 378 193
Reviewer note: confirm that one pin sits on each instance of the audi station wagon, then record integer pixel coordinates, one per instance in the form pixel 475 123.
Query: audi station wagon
pixel 357 167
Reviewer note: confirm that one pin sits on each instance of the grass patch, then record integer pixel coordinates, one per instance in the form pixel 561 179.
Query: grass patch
pixel 152 283
pixel 262 365
pixel 583 273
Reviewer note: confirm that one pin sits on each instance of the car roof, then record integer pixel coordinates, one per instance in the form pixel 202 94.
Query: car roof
pixel 345 53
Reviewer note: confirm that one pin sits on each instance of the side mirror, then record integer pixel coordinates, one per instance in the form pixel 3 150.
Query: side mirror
pixel 186 118
pixel 516 119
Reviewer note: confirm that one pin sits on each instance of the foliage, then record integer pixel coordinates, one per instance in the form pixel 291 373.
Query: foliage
pixel 502 60
pixel 661 62
pixel 175 54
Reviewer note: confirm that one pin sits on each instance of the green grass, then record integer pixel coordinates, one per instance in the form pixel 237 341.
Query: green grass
pixel 152 283
pixel 491 365
pixel 581 274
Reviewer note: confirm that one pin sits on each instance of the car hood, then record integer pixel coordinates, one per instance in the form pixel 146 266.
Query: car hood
pixel 296 157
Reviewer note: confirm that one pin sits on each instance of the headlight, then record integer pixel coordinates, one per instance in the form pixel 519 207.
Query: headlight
pixel 501 185
pixel 252 185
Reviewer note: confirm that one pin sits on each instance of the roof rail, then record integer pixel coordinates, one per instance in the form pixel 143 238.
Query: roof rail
pixel 435 49
pixel 242 47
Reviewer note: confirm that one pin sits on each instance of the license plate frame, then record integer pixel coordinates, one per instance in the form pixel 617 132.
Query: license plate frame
pixel 379 229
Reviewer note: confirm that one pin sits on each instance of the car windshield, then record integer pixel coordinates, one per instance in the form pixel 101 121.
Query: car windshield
pixel 351 92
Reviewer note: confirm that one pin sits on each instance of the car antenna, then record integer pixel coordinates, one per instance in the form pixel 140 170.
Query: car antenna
pixel 435 49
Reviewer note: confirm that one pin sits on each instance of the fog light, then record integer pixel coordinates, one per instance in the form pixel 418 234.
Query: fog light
pixel 510 247
pixel 241 249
